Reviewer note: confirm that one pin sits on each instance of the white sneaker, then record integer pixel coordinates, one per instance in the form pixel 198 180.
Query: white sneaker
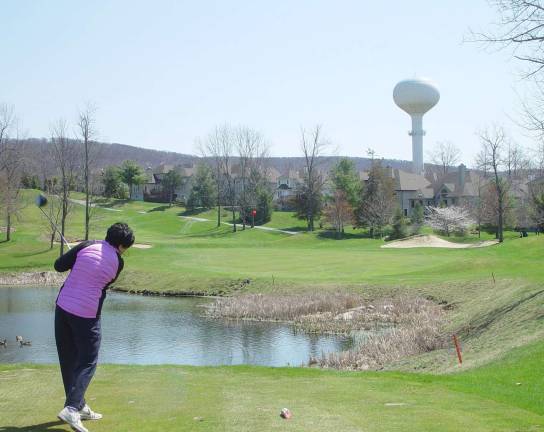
pixel 86 413
pixel 71 416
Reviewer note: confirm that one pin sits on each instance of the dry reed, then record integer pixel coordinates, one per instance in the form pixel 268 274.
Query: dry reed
pixel 267 307
pixel 418 332
pixel 399 327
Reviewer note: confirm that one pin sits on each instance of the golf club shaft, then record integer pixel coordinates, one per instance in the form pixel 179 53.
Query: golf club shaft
pixel 56 228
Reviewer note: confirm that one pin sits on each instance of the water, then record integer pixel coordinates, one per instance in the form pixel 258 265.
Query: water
pixel 155 330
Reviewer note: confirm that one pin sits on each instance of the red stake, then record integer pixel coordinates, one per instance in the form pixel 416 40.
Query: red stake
pixel 458 348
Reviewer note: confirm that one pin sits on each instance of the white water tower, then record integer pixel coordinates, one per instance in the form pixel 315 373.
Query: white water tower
pixel 416 97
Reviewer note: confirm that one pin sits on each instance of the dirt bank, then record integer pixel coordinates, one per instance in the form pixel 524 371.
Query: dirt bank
pixel 46 278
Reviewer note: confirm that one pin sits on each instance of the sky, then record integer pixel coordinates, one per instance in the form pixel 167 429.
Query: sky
pixel 163 74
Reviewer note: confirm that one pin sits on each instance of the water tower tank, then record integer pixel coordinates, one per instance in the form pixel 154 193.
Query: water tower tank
pixel 416 97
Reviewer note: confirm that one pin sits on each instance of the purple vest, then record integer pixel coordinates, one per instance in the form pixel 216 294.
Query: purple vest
pixel 95 267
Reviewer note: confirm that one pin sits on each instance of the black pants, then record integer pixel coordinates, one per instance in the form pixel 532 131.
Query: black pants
pixel 78 342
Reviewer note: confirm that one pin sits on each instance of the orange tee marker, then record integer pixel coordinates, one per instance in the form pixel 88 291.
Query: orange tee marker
pixel 458 349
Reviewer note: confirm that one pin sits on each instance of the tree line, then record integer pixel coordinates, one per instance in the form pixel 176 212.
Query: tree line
pixel 233 176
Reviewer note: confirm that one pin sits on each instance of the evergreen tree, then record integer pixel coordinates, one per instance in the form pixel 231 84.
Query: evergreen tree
pixel 30 181
pixel 308 205
pixel 345 179
pixel 112 182
pixel 131 174
pixel 264 206
pixel 418 218
pixel 170 182
pixel 377 200
pixel 399 225
pixel 203 190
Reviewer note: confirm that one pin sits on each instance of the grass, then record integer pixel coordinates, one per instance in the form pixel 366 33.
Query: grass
pixel 250 398
pixel 216 260
pixel 213 259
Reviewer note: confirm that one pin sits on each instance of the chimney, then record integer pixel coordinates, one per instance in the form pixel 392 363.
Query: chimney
pixel 461 177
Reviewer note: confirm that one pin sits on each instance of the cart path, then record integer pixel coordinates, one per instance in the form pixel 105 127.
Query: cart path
pixel 81 202
pixel 196 219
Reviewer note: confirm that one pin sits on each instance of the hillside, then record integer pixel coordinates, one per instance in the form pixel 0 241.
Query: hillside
pixel 38 160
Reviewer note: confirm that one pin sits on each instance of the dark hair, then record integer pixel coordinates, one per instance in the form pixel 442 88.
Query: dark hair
pixel 119 234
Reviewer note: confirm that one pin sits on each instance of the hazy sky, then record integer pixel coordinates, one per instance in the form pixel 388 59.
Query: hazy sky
pixel 163 73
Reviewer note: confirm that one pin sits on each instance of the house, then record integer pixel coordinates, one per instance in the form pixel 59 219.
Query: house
pixel 458 188
pixel 152 189
pixel 285 187
pixel 409 188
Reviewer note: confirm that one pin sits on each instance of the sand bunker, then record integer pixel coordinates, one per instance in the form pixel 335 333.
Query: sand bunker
pixel 195 219
pixel 141 246
pixel 434 241
pixel 135 245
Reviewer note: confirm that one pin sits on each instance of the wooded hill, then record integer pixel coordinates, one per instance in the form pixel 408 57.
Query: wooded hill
pixel 38 161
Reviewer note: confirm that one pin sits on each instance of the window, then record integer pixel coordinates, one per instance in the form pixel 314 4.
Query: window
pixel 405 212
pixel 412 203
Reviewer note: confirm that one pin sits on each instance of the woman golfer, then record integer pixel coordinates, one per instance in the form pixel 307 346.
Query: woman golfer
pixel 94 266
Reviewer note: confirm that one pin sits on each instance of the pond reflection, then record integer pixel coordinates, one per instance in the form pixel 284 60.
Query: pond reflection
pixel 155 330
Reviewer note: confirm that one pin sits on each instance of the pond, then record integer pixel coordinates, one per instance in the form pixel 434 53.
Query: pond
pixel 156 330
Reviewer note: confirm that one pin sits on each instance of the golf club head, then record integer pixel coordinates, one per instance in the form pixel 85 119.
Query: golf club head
pixel 41 200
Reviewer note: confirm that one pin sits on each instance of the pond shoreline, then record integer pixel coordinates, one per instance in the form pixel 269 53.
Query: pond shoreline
pixel 52 279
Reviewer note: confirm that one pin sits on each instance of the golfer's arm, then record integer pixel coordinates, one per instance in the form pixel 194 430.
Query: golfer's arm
pixel 119 270
pixel 67 261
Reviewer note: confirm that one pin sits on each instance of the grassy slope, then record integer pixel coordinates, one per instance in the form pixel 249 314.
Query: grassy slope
pixel 250 398
pixel 210 257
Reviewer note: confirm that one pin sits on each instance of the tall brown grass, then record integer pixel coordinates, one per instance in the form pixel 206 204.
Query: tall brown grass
pixel 418 331
pixel 267 307
pixel 398 327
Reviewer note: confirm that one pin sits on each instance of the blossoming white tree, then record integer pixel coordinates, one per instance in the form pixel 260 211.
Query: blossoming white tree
pixel 449 220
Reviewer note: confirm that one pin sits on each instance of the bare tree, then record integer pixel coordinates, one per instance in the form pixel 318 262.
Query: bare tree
pixel 377 201
pixel 11 163
pixel 476 206
pixel 445 154
pixel 531 118
pixel 252 151
pixel 520 28
pixel 86 128
pixel 312 145
pixel 7 119
pixel 219 146
pixel 65 155
pixel 516 163
pixel 53 210
pixel 338 212
pixel 536 193
pixel 489 207
pixel 490 158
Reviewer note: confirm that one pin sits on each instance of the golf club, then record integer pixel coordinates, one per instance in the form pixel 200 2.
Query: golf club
pixel 41 201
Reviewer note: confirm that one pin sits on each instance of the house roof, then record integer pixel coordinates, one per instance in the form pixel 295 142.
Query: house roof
pixel 456 187
pixel 407 181
pixel 273 174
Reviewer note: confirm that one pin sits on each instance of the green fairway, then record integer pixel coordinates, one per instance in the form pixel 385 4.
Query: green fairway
pixel 212 259
pixel 151 398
